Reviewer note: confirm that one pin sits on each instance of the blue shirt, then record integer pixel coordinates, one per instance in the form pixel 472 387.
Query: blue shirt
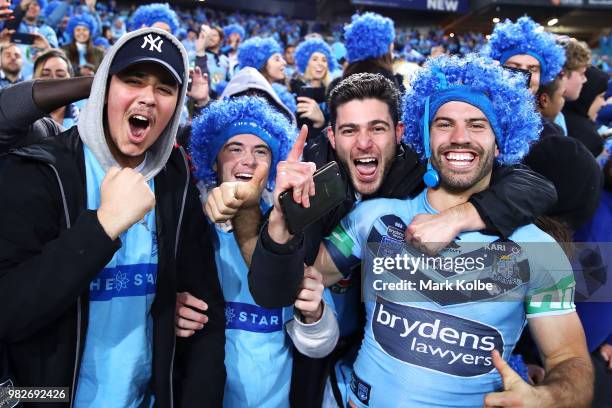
pixel 426 347
pixel 257 350
pixel 117 360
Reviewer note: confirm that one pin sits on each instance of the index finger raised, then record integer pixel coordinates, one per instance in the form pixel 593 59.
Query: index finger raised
pixel 298 146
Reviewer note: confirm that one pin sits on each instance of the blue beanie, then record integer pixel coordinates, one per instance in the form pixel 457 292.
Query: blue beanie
pixel 477 80
pixel 368 36
pixel 223 119
pixel 101 41
pixel 286 97
pixel 85 20
pixel 256 51
pixel 529 38
pixel 234 28
pixel 149 14
pixel 305 49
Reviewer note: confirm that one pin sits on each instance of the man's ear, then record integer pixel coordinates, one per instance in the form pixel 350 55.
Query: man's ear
pixel 215 167
pixel 496 150
pixel 331 137
pixel 399 132
pixel 543 100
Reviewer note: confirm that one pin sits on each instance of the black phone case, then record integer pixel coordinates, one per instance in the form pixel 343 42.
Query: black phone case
pixel 22 38
pixel 330 191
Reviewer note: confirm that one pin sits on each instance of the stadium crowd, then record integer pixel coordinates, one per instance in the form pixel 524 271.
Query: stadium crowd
pixel 163 239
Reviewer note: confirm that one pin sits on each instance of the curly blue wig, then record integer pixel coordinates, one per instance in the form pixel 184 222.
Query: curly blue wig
pixel 477 80
pixel 231 116
pixel 305 49
pixel 101 41
pixel 529 38
pixel 368 36
pixel 85 20
pixel 256 51
pixel 51 6
pixel 149 14
pixel 234 28
pixel 286 97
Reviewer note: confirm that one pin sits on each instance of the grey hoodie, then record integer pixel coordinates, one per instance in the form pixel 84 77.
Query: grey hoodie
pixel 250 78
pixel 91 120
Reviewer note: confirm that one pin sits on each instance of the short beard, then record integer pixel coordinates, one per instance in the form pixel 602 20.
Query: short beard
pixel 458 184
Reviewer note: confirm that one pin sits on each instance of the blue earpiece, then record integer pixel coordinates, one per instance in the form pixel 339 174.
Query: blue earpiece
pixel 431 177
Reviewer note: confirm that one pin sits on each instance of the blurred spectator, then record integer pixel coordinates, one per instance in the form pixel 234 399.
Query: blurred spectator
pixel 81 50
pixel 289 55
pixel 118 28
pixel 11 62
pixel 54 64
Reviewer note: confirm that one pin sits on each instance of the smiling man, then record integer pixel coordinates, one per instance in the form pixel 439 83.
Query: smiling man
pixel 101 226
pixel 425 348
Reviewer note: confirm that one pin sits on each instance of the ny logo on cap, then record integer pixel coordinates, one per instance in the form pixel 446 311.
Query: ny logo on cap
pixel 154 43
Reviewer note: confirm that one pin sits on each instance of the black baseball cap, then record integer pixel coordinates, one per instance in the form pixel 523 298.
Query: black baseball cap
pixel 154 47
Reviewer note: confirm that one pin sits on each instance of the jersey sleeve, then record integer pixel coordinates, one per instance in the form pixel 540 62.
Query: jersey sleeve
pixel 344 244
pixel 551 285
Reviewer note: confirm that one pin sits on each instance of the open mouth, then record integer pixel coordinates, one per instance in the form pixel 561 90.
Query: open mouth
pixel 366 168
pixel 460 160
pixel 243 176
pixel 138 127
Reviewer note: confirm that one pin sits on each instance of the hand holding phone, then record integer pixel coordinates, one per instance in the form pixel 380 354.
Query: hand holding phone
pixel 23 38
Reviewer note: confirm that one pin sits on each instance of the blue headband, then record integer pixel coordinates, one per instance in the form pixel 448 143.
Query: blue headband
pixel 245 126
pixel 459 93
pixel 516 51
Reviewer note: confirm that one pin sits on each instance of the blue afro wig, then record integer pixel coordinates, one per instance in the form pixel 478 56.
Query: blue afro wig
pixel 85 20
pixel 50 8
pixel 305 49
pixel 256 51
pixel 526 37
pixel 286 97
pixel 243 115
pixel 477 80
pixel 368 36
pixel 234 28
pixel 101 41
pixel 149 14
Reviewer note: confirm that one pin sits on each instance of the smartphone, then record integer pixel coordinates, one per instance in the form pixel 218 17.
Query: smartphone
pixel 316 93
pixel 524 72
pixel 23 38
pixel 330 191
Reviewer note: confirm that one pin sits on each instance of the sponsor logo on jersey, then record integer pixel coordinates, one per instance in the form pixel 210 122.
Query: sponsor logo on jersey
pixel 253 318
pixel 123 281
pixel 360 388
pixel 435 341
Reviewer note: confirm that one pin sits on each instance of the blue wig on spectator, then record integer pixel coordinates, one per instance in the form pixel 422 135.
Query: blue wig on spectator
pixel 526 37
pixel 51 7
pixel 286 97
pixel 500 94
pixel 83 20
pixel 256 51
pixel 101 41
pixel 226 118
pixel 305 49
pixel 234 28
pixel 149 14
pixel 368 36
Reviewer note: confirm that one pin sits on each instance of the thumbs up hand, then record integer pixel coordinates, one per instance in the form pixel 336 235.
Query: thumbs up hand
pixel 224 201
pixel 516 393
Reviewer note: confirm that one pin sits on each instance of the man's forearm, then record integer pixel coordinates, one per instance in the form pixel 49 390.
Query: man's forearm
pixel 246 223
pixel 568 384
pixel 277 228
pixel 465 217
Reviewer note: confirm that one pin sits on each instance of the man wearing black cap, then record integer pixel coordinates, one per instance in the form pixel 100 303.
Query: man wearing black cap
pixel 99 228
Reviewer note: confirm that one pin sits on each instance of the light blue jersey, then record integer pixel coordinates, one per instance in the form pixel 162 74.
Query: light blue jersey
pixel 117 360
pixel 257 349
pixel 427 345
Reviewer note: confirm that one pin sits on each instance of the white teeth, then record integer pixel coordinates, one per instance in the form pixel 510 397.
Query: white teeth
pixel 366 161
pixel 460 156
pixel 140 117
pixel 244 175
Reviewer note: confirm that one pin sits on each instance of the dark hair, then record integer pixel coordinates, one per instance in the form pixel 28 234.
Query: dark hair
pixel 548 89
pixel 52 53
pixel 607 170
pixel 365 86
pixel 383 64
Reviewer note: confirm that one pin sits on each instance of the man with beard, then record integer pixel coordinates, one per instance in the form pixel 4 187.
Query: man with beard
pixel 11 62
pixel 424 347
